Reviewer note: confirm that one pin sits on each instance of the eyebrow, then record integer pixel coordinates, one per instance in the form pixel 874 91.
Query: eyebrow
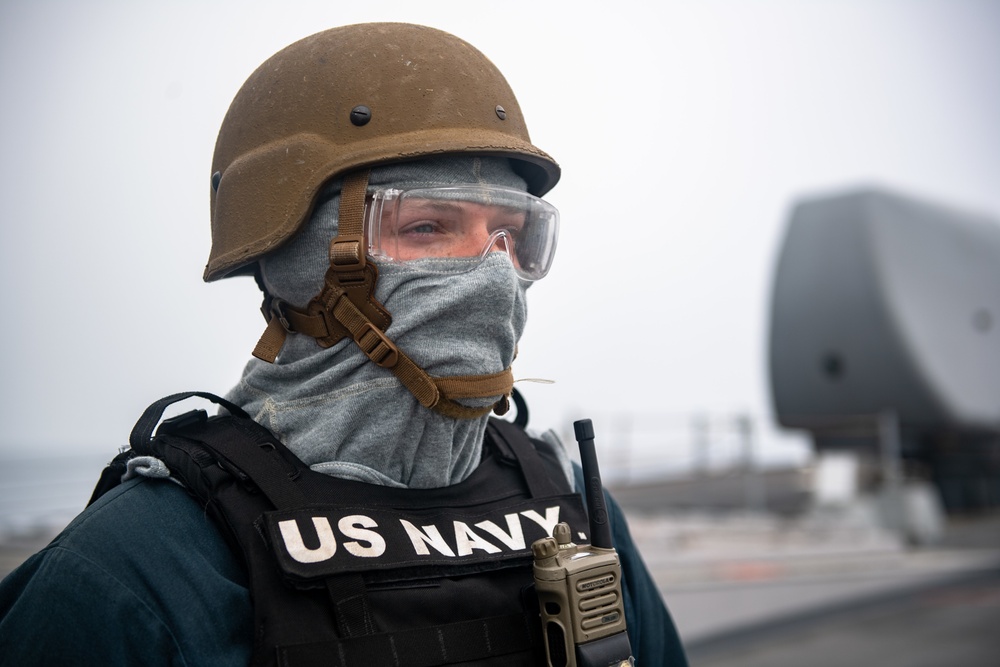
pixel 436 205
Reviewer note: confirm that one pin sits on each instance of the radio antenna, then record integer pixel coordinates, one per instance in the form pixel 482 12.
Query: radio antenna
pixel 600 529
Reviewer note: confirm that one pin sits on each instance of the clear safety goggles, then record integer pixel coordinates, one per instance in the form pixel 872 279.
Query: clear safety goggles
pixel 467 221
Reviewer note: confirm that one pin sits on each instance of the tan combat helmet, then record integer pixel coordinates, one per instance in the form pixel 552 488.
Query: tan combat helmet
pixel 348 98
pixel 333 105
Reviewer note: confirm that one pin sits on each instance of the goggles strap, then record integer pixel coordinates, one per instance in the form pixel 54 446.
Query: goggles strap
pixel 346 306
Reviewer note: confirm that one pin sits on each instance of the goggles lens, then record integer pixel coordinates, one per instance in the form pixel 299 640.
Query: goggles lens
pixel 463 221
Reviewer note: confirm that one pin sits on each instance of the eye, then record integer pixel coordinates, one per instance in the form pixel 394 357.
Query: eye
pixel 421 227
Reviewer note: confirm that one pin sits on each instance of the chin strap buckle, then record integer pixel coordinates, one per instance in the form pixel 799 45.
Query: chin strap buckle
pixel 377 346
pixel 347 259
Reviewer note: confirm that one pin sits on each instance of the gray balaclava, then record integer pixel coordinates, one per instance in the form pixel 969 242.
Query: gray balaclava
pixel 345 416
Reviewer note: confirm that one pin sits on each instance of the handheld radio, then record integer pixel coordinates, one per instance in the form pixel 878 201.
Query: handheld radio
pixel 579 586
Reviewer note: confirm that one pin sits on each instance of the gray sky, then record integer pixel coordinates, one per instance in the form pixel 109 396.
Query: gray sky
pixel 685 131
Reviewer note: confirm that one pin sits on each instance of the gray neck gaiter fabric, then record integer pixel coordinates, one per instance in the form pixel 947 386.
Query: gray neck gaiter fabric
pixel 347 417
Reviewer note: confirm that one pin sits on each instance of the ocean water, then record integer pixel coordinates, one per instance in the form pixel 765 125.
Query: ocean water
pixel 41 495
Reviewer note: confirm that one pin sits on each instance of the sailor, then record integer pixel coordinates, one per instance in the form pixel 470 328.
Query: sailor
pixel 379 183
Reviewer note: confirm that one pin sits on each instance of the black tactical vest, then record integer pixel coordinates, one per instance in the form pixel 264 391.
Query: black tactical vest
pixel 347 573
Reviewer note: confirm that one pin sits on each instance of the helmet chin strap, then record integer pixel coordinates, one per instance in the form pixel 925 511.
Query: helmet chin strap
pixel 347 307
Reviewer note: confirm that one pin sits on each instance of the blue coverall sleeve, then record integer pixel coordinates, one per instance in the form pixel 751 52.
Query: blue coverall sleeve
pixel 140 578
pixel 60 608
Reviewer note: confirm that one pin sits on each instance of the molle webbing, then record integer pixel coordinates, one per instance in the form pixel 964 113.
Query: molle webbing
pixel 347 307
